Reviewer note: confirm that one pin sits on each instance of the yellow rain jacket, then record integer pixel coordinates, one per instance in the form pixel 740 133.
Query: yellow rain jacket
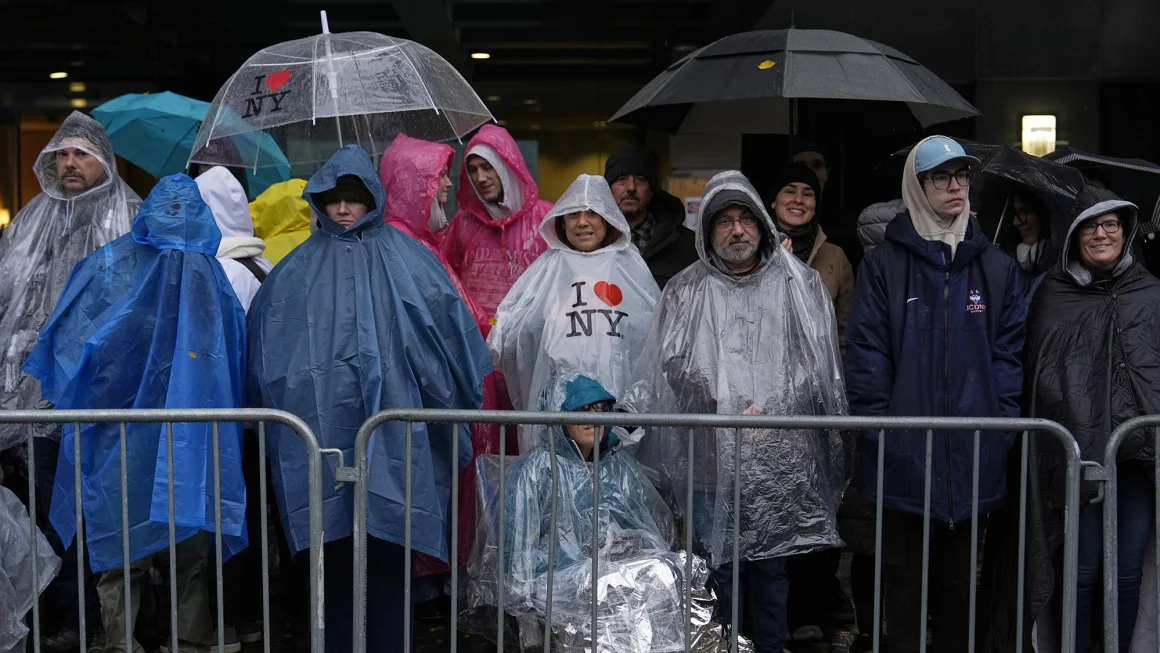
pixel 281 218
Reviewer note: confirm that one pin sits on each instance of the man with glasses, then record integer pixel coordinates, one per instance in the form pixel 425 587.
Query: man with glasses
pixel 747 330
pixel 936 330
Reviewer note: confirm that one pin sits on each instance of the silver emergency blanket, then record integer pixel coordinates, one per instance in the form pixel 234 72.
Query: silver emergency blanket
pixel 640 583
pixel 760 344
pixel 572 312
pixel 16 587
pixel 38 250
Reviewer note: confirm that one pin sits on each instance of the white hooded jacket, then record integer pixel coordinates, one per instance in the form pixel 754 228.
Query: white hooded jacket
pixel 231 210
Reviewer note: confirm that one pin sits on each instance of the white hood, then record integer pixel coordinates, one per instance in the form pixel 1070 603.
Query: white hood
pixel 928 224
pixel 587 192
pixel 227 200
pixel 231 210
pixel 513 190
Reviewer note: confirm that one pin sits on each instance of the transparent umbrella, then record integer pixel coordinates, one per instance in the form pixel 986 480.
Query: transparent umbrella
pixel 316 94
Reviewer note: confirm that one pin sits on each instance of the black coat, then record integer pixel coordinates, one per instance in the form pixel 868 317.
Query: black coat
pixel 1092 363
pixel 673 247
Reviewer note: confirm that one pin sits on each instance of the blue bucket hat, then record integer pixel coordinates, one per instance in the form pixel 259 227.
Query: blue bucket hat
pixel 583 391
pixel 937 150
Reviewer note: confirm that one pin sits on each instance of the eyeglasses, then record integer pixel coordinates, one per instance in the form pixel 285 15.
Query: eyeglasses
pixel 726 224
pixel 598 407
pixel 1109 227
pixel 942 180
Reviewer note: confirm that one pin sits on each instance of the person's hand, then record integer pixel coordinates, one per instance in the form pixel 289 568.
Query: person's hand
pixel 788 245
pixel 752 410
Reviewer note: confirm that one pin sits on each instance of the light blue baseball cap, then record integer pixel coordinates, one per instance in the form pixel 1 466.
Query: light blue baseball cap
pixel 937 150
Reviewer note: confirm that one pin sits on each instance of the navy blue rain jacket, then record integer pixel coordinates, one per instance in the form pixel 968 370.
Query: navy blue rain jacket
pixel 928 338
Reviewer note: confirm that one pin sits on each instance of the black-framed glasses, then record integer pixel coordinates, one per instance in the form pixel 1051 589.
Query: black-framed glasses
pixel 942 180
pixel 1109 227
pixel 726 224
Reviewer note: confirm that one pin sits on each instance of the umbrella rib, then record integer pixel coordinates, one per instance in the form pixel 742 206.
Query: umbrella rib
pixel 1095 158
pixel 425 89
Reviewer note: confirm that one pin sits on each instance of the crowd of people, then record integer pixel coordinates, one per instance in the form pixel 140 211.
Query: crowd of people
pixel 359 294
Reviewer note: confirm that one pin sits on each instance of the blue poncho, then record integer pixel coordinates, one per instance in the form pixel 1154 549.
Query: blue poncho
pixel 148 321
pixel 354 321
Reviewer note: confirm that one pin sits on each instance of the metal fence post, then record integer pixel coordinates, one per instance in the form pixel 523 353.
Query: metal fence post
pixel 168 417
pixel 883 425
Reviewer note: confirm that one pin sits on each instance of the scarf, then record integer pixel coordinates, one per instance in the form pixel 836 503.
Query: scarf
pixel 803 238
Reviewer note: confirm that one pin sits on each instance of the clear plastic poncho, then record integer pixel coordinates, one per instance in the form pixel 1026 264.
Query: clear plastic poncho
pixel 46 239
pixel 16 588
pixel 572 312
pixel 765 343
pixel 640 590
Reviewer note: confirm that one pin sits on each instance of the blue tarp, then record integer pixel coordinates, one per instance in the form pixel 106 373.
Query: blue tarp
pixel 148 321
pixel 354 321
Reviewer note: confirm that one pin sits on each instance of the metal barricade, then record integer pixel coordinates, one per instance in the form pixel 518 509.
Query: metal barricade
pixel 170 417
pixel 360 472
pixel 1107 475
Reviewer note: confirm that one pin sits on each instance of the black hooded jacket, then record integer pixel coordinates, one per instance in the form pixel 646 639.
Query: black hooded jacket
pixel 673 247
pixel 1091 364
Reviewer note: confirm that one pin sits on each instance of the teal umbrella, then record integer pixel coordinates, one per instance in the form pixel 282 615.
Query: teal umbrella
pixel 155 132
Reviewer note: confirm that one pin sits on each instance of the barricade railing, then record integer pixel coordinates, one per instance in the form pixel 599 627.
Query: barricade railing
pixel 1107 474
pixel 167 417
pixel 885 426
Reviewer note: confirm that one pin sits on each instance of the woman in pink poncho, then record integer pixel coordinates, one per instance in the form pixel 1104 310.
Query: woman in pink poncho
pixel 415 177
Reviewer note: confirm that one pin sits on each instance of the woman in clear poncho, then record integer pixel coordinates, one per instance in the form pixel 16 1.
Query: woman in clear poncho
pixel 584 307
pixel 640 586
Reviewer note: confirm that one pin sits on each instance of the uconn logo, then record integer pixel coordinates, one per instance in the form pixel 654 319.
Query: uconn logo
pixel 975 302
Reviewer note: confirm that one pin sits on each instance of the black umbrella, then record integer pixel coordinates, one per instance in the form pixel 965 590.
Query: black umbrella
pixel 743 83
pixel 1136 180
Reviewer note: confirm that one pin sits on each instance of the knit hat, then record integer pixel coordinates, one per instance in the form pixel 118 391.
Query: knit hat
pixel 349 188
pixel 795 173
pixel 630 160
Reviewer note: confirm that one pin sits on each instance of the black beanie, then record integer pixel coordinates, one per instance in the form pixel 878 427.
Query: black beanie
pixel 630 160
pixel 349 188
pixel 794 173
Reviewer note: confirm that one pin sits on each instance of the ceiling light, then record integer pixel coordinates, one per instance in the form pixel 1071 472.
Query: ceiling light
pixel 534 126
pixel 76 87
pixel 78 103
pixel 501 123
pixel 480 55
pixel 531 102
pixel 493 98
pixel 60 75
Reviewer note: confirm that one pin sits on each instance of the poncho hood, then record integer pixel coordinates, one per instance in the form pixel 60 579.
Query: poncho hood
pixel 350 160
pixel 588 192
pixel 522 195
pixel 226 198
pixel 1099 202
pixel 723 190
pixel 82 132
pixel 281 218
pixel 411 170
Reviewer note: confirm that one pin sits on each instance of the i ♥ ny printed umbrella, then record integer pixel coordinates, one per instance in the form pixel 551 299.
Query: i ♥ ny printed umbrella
pixel 317 94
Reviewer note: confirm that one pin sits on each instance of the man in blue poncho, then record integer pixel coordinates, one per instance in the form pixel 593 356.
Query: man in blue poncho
pixel 150 321
pixel 358 319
